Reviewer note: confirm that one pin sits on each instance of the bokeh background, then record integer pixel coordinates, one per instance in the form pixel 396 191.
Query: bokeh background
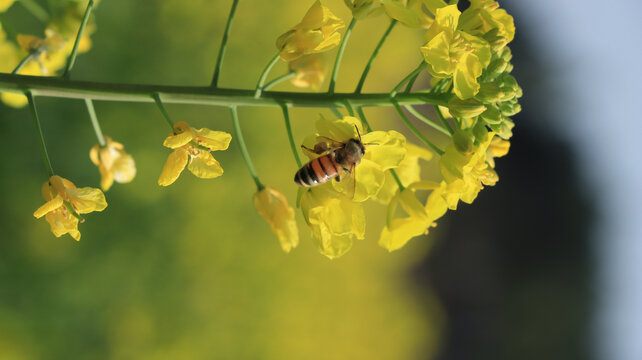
pixel 543 265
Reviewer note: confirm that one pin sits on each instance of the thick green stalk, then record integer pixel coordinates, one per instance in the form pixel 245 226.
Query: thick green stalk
pixel 337 61
pixel 278 80
pixel 415 131
pixel 264 74
pixel 36 122
pixel 366 70
pixel 416 71
pixel 83 24
pixel 204 95
pixel 221 50
pixel 162 109
pixel 94 122
pixel 288 128
pixel 244 152
pixel 426 120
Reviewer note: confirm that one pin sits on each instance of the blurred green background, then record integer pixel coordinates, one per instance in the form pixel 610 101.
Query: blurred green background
pixel 192 271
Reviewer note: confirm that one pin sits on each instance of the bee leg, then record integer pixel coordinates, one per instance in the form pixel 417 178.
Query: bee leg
pixel 347 171
pixel 338 178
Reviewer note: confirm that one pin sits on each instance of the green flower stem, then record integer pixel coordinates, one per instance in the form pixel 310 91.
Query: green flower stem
pixel 278 80
pixel 337 61
pixel 288 128
pixel 83 24
pixel 36 122
pixel 36 10
pixel 221 50
pixel 366 70
pixel 205 95
pixel 336 112
pixel 348 107
pixel 426 120
pixel 411 82
pixel 367 124
pixel 73 212
pixel 415 131
pixel 94 122
pixel 264 74
pixel 244 152
pixel 162 109
pixel 417 70
pixel 443 120
pixel 22 63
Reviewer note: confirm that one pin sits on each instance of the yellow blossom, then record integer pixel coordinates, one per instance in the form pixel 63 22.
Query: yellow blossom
pixel 335 220
pixel 386 151
pixel 408 12
pixel 193 145
pixel 273 206
pixel 484 18
pixel 408 172
pixel 64 203
pixel 450 52
pixel 465 169
pixel 309 71
pixel 113 163
pixel 399 230
pixel 317 32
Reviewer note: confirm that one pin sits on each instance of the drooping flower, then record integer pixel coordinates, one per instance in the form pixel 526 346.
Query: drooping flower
pixel 317 32
pixel 399 230
pixel 273 206
pixel 386 151
pixel 113 163
pixel 309 71
pixel 65 203
pixel 335 220
pixel 450 52
pixel 193 145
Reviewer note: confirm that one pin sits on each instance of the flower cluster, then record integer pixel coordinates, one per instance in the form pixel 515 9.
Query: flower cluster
pixel 48 54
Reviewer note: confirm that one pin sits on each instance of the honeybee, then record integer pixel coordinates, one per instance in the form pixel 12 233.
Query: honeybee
pixel 337 157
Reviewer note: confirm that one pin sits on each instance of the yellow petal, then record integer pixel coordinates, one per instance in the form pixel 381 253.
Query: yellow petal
pixel 87 199
pixel 174 165
pixel 124 169
pixel 93 154
pixel 182 135
pixel 214 140
pixel 401 231
pixel 62 222
pixel 273 206
pixel 205 166
pixel 48 207
pixel 389 148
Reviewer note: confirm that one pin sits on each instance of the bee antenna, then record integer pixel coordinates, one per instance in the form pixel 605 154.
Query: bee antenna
pixel 358 133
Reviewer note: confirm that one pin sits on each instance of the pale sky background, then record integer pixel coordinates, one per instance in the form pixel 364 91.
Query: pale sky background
pixel 595 49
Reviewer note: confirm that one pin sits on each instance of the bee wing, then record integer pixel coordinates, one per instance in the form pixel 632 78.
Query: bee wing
pixel 332 144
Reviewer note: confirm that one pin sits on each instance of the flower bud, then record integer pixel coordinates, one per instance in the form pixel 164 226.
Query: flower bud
pixel 465 108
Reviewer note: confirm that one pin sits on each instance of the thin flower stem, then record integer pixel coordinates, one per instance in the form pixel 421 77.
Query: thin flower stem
pixel 443 120
pixel 415 131
pixel 244 152
pixel 72 57
pixel 367 124
pixel 221 50
pixel 203 95
pixel 375 52
pixel 162 109
pixel 288 128
pixel 336 112
pixel 348 107
pixel 264 74
pixel 364 121
pixel 22 63
pixel 337 61
pixel 426 120
pixel 36 122
pixel 36 10
pixel 411 82
pixel 418 69
pixel 94 122
pixel 278 80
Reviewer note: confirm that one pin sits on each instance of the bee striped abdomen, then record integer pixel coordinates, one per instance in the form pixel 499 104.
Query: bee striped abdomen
pixel 317 171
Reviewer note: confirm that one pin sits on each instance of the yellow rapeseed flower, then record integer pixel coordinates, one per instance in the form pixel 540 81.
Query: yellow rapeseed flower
pixel 113 163
pixel 387 150
pixel 317 32
pixel 408 12
pixel 335 220
pixel 273 206
pixel 399 230
pixel 450 52
pixel 408 172
pixel 309 71
pixel 64 203
pixel 484 18
pixel 193 145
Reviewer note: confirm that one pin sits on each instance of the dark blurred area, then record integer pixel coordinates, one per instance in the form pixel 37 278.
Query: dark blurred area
pixel 513 270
